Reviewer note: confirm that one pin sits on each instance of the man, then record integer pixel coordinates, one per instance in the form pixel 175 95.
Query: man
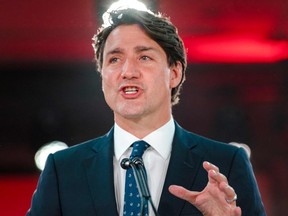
pixel 142 62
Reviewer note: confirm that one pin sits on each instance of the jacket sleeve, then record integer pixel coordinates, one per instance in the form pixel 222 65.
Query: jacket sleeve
pixel 242 179
pixel 45 200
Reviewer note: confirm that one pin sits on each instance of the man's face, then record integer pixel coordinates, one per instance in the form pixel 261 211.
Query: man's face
pixel 136 78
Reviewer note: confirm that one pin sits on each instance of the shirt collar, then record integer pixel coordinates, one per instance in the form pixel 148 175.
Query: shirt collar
pixel 160 139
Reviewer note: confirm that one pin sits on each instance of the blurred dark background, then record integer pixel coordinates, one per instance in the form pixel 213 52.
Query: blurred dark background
pixel 236 88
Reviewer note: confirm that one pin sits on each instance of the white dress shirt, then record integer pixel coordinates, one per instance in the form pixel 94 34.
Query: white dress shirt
pixel 156 159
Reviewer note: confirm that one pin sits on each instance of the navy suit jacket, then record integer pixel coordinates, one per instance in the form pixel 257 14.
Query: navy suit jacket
pixel 79 181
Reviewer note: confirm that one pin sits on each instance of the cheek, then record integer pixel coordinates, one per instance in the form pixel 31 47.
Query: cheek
pixel 169 81
pixel 161 85
pixel 109 86
pixel 106 79
pixel 105 84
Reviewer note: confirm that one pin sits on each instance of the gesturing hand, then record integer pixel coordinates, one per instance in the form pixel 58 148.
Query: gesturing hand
pixel 217 198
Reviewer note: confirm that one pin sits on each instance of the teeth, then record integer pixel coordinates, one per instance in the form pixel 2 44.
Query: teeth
pixel 130 90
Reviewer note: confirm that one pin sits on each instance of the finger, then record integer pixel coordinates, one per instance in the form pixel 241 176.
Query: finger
pixel 217 177
pixel 183 193
pixel 209 166
pixel 237 211
pixel 229 193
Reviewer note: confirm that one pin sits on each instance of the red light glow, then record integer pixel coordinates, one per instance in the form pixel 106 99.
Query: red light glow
pixel 227 49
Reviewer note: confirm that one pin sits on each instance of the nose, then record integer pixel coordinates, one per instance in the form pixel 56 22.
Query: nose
pixel 130 70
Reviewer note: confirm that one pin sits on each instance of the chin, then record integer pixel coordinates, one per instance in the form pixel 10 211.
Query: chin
pixel 131 113
pixel 130 110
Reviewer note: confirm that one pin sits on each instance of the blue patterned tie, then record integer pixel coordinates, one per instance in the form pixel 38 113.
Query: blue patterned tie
pixel 132 197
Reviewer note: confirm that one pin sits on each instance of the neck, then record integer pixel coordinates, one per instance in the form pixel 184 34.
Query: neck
pixel 141 127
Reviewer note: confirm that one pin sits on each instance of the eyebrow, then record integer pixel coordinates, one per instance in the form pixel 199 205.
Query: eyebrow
pixel 115 51
pixel 144 48
pixel 138 49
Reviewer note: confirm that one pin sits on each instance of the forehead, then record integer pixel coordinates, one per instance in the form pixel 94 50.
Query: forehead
pixel 126 36
pixel 128 30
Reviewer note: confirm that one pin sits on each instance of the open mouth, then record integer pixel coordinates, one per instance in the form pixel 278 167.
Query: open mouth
pixel 130 90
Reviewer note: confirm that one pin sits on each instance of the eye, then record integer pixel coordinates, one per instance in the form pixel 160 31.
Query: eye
pixel 145 58
pixel 113 60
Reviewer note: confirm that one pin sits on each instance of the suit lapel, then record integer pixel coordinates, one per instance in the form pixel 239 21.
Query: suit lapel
pixel 99 171
pixel 183 166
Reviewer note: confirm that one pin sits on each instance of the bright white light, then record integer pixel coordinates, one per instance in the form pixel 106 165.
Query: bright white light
pixel 244 146
pixel 42 154
pixel 122 4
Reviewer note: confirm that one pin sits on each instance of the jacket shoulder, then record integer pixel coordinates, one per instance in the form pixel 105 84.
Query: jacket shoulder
pixel 85 148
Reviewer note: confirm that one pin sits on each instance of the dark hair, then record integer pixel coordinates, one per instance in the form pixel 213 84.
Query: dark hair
pixel 157 27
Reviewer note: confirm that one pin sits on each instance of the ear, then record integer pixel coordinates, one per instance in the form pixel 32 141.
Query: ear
pixel 176 74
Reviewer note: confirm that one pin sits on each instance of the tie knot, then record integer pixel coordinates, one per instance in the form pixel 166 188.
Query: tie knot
pixel 138 148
